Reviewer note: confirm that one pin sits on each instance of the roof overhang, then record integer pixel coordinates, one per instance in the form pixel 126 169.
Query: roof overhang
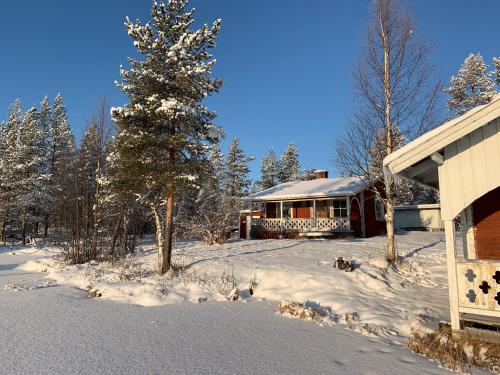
pixel 419 160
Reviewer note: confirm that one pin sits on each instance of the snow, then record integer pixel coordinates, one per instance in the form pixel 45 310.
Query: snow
pixel 388 302
pixel 59 330
pixel 323 187
pixel 50 326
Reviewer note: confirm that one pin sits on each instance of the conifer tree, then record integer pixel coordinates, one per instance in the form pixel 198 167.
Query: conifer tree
pixel 236 180
pixel 61 156
pixel 269 177
pixel 32 174
pixel 164 129
pixel 8 137
pixel 289 165
pixel 496 72
pixel 472 86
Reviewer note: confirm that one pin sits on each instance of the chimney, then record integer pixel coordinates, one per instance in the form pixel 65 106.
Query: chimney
pixel 320 173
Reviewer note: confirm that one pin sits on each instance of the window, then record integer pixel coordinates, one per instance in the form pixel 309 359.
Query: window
pixel 339 208
pixel 321 209
pixel 287 210
pixel 379 210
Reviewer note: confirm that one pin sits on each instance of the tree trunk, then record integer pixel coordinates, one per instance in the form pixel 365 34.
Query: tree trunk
pixel 169 230
pixel 117 231
pixel 46 226
pixel 389 200
pixel 160 240
pixel 4 228
pixel 95 214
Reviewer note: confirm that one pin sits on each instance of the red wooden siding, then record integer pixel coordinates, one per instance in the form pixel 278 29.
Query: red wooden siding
pixel 302 210
pixel 486 212
pixel 373 227
pixel 272 210
pixel 355 218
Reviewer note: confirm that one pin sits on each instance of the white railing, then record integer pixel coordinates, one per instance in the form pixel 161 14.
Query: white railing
pixel 303 225
pixel 479 285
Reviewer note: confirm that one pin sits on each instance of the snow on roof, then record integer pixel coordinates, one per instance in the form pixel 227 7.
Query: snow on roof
pixel 319 188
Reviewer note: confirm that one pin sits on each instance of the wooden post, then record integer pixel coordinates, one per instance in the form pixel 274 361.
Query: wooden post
pixel 449 227
pixel 314 213
pixel 249 225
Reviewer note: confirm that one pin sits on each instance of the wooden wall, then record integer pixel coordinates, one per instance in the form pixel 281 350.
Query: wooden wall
pixel 373 227
pixel 470 170
pixel 486 212
pixel 272 210
pixel 302 210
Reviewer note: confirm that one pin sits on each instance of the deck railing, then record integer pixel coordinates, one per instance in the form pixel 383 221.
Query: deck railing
pixel 479 286
pixel 302 225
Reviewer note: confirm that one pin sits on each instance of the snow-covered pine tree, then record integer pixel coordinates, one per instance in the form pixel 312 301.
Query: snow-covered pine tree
pixel 472 86
pixel 289 165
pixel 32 172
pixel 268 169
pixel 164 129
pixel 308 174
pixel 496 71
pixel 213 210
pixel 236 180
pixel 61 155
pixel 45 123
pixel 8 137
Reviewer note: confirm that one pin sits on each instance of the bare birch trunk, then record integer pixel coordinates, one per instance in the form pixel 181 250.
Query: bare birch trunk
pixel 389 200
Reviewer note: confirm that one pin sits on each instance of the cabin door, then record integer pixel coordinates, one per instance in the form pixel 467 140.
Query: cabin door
pixel 355 218
pixel 486 211
pixel 243 227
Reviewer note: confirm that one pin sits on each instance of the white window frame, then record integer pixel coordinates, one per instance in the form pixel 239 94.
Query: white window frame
pixel 379 203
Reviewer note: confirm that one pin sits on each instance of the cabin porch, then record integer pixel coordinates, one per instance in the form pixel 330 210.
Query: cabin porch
pixel 305 218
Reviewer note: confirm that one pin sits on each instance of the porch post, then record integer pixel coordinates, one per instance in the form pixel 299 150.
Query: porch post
pixel 314 213
pixel 281 215
pixel 449 227
pixel 348 199
pixel 249 223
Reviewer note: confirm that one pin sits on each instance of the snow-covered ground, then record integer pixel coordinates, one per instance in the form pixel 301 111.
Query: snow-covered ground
pixel 375 299
pixel 49 325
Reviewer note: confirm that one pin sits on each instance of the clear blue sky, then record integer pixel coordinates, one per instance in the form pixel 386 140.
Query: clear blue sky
pixel 286 63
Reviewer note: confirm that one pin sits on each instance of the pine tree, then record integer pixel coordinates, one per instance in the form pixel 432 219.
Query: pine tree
pixel 269 175
pixel 164 129
pixel 61 156
pixel 496 72
pixel 8 137
pixel 32 172
pixel 236 180
pixel 289 165
pixel 308 174
pixel 472 86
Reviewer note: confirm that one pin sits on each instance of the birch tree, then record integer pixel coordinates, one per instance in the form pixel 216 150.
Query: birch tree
pixel 393 88
pixel 164 130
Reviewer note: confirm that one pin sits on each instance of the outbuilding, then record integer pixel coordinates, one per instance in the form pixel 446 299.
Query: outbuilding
pixel 325 207
pixel 462 160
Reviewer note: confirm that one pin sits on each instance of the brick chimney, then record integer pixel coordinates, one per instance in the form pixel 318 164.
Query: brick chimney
pixel 321 173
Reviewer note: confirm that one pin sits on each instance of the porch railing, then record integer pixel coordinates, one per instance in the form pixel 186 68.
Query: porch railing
pixel 302 225
pixel 479 286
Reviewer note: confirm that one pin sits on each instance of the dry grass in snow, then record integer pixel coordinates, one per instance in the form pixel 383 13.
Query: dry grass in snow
pixel 373 299
pixel 458 353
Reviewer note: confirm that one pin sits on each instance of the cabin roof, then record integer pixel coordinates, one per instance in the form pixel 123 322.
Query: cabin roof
pixel 418 160
pixel 318 188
